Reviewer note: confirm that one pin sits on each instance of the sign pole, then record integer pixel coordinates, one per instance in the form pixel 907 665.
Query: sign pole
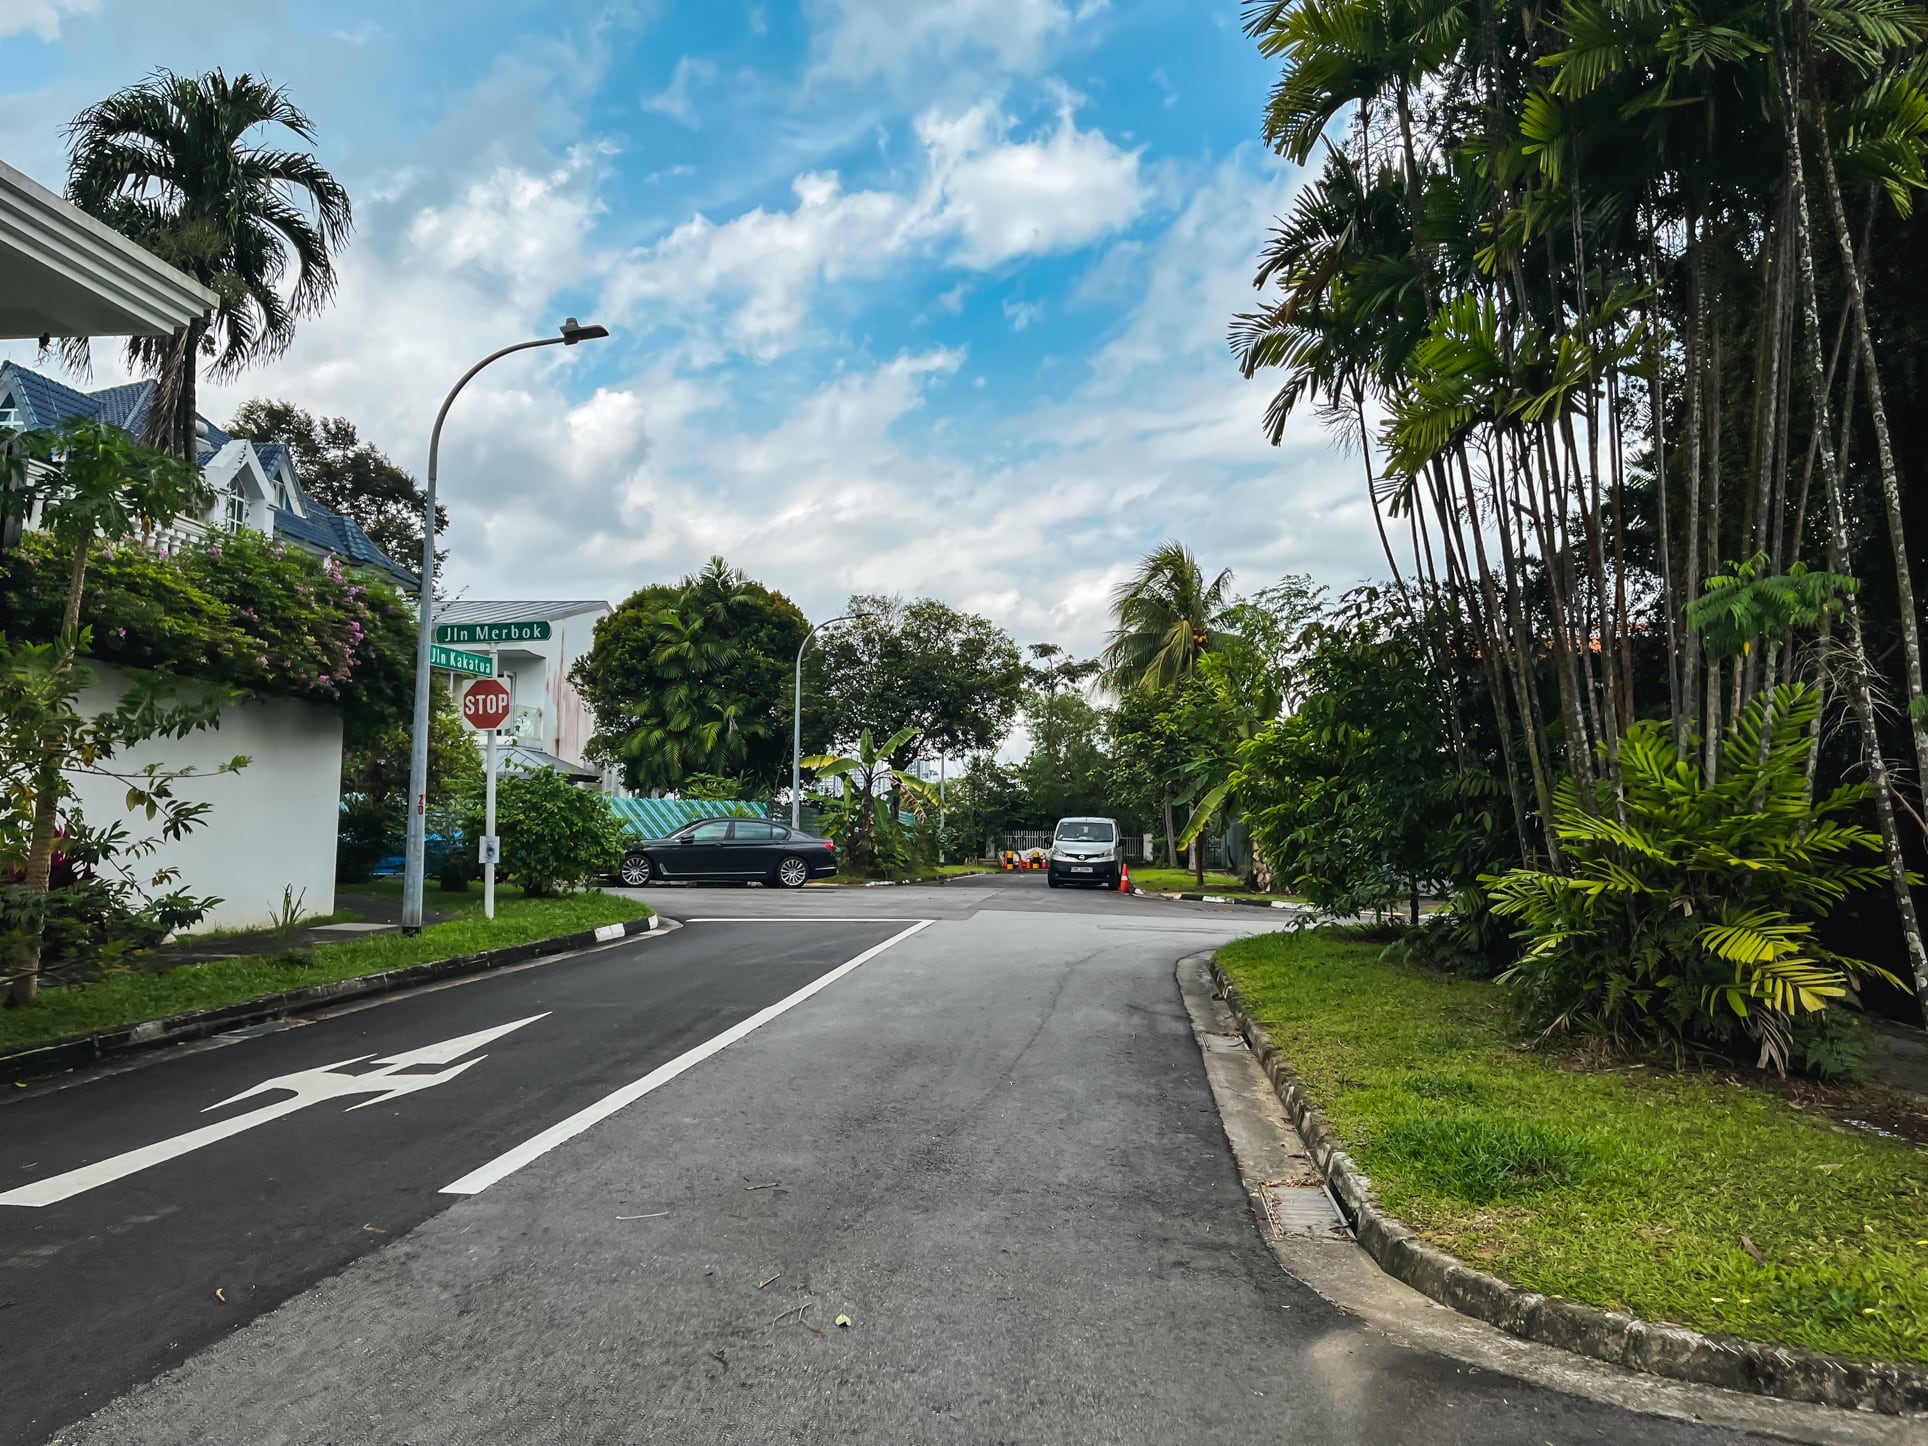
pixel 488 829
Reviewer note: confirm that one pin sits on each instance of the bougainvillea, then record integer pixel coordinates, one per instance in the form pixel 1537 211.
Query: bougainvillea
pixel 240 609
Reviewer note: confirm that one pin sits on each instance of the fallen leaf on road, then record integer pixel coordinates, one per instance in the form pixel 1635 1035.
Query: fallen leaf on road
pixel 771 1186
pixel 1754 1250
pixel 844 1321
pixel 761 1283
pixel 657 1215
pixel 719 1356
pixel 221 1295
pixel 374 1230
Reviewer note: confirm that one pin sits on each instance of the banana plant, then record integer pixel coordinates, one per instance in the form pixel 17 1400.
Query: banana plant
pixel 865 773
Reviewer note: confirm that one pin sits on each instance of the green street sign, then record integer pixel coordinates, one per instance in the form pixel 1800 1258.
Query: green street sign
pixel 457 661
pixel 529 632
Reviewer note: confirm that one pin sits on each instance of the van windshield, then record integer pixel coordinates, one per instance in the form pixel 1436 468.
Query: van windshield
pixel 1084 831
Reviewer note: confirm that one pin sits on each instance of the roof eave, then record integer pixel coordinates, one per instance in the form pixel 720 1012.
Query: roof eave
pixel 149 296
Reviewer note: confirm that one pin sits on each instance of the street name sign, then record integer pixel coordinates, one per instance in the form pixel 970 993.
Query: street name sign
pixel 457 661
pixel 485 704
pixel 524 632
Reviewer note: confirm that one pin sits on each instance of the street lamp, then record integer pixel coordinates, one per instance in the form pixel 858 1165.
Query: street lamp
pixel 796 752
pixel 571 332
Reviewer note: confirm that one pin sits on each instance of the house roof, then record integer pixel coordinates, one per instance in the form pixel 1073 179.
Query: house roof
pixel 524 758
pixel 464 611
pixel 49 403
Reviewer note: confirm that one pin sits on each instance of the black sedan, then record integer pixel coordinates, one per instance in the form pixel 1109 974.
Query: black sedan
pixel 737 849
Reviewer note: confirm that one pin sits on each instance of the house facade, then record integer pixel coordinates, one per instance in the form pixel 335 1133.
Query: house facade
pixel 255 484
pixel 549 722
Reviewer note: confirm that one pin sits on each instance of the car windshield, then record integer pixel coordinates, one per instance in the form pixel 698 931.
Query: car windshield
pixel 1084 831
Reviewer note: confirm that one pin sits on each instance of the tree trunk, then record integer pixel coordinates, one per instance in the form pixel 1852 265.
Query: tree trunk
pixel 1884 449
pixel 1839 553
pixel 1171 835
pixel 25 988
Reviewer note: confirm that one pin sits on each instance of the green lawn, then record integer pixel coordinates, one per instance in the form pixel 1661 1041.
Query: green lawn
pixel 1621 1186
pixel 1184 881
pixel 108 1002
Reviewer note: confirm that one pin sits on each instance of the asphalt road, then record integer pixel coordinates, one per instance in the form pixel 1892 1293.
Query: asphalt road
pixel 992 1148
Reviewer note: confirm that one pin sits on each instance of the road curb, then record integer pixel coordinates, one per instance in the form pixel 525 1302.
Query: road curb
pixel 1788 1372
pixel 77 1050
pixel 1242 903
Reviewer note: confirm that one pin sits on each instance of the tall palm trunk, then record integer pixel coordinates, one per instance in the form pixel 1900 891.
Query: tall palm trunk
pixel 1839 554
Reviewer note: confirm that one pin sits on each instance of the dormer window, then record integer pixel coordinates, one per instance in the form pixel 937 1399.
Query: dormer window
pixel 281 495
pixel 237 512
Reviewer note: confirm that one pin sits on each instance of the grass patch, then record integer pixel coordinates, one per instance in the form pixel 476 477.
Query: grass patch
pixel 105 1003
pixel 1184 881
pixel 1624 1187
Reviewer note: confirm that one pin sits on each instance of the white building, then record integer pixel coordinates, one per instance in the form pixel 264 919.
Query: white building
pixel 549 722
pixel 272 825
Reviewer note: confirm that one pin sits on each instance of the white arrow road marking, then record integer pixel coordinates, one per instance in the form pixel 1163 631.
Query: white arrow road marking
pixel 307 1087
pixel 504 1165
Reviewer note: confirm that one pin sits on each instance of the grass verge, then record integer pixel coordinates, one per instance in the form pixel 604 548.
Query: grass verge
pixel 129 998
pixel 1625 1187
pixel 1184 881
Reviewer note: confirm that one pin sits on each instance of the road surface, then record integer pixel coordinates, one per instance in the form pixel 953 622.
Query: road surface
pixel 496 1211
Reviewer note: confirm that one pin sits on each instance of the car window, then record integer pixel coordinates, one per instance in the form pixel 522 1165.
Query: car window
pixel 710 833
pixel 1084 831
pixel 748 832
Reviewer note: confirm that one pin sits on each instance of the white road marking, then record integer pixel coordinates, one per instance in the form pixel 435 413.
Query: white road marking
pixel 805 919
pixel 307 1087
pixel 506 1164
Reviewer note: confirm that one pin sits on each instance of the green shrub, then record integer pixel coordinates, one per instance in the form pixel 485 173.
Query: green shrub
pixel 555 836
pixel 1685 917
pixel 370 831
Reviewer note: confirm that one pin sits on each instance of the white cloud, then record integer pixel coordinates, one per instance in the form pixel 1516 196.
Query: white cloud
pixel 1022 313
pixel 676 101
pixel 1005 199
pixel 747 285
pixel 41 17
pixel 858 39
pixel 519 227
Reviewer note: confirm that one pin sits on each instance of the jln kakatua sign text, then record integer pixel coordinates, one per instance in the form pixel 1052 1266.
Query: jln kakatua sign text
pixel 457 661
pixel 524 632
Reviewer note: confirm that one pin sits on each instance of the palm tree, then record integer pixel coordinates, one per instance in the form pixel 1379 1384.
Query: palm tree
pixel 170 163
pixel 1168 617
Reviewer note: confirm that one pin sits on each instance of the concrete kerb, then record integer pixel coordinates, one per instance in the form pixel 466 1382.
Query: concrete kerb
pixel 77 1050
pixel 1788 1372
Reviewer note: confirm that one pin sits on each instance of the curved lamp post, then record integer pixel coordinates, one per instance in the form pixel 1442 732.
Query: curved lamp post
pixel 796 737
pixel 569 334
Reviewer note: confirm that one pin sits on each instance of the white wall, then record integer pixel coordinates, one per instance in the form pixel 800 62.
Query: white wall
pixel 272 824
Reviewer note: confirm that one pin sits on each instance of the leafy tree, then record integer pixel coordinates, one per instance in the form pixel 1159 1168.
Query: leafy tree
pixel 173 164
pixel 986 802
pixel 1067 771
pixel 105 487
pixel 374 782
pixel 555 837
pixel 347 475
pixel 865 773
pixel 695 679
pixel 956 677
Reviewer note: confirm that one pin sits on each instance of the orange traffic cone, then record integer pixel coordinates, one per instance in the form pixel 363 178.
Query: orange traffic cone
pixel 1124 877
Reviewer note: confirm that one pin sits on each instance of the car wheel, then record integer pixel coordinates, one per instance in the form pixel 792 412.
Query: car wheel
pixel 792 872
pixel 1051 881
pixel 636 871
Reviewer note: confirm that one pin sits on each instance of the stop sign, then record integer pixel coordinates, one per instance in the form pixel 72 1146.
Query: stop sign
pixel 485 704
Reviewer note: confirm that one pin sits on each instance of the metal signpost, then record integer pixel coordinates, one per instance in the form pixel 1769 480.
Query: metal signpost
pixel 485 704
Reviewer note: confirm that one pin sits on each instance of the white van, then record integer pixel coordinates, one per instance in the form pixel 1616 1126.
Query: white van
pixel 1085 851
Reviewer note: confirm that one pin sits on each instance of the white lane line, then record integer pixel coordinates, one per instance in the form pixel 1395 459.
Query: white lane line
pixel 805 919
pixel 506 1164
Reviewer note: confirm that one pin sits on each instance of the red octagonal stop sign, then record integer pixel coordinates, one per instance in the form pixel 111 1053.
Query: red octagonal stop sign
pixel 485 704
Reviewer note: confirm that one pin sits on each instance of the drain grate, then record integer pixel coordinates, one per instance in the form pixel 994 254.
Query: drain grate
pixel 1302 1210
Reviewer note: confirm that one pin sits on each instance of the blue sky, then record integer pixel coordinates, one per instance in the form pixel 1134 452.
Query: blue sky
pixel 911 298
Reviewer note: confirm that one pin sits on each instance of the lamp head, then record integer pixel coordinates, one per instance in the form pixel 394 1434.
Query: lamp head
pixel 574 331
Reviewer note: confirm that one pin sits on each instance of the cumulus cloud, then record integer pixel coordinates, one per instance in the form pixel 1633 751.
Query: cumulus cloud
pixel 747 285
pixel 858 39
pixel 1005 198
